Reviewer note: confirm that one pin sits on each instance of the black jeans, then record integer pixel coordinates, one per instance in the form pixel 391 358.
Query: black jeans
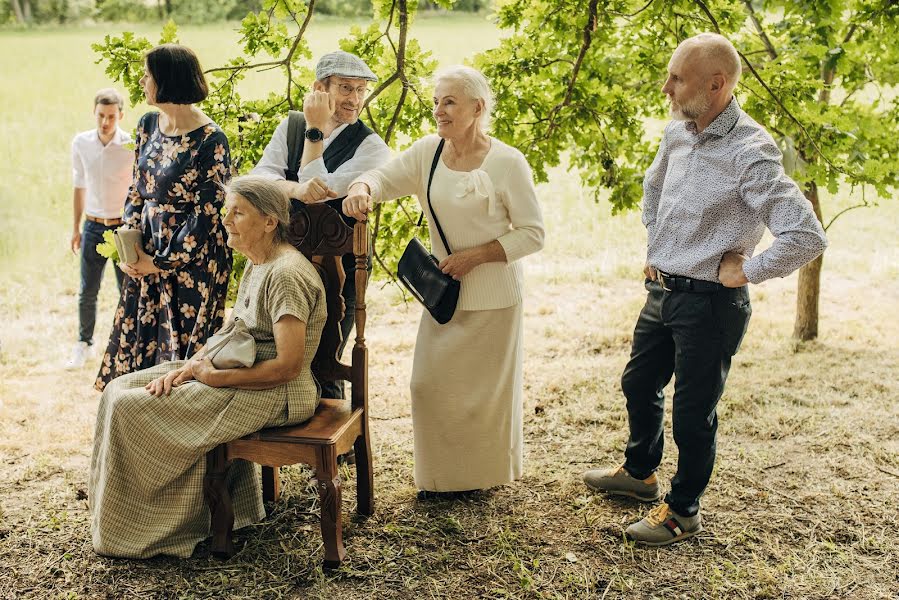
pixel 335 389
pixel 92 267
pixel 691 336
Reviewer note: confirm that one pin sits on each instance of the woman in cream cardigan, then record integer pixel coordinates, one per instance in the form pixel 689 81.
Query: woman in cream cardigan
pixel 467 374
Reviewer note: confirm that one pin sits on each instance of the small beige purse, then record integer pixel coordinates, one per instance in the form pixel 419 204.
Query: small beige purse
pixel 125 239
pixel 232 347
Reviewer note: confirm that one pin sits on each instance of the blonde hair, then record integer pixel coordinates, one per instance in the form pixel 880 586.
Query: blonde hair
pixel 267 197
pixel 109 97
pixel 475 86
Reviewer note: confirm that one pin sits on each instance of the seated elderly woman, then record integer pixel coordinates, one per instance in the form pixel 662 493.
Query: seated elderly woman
pixel 154 427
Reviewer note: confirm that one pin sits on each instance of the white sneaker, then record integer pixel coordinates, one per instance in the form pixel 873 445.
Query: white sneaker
pixel 80 353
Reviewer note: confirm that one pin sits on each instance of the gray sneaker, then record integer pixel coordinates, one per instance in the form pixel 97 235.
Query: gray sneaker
pixel 663 526
pixel 619 482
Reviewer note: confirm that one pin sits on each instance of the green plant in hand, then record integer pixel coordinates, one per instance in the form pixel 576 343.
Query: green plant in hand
pixel 107 249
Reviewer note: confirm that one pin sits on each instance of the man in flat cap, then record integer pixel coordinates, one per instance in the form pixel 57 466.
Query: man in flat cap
pixel 317 153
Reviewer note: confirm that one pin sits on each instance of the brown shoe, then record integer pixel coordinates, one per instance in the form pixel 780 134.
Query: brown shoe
pixel 619 482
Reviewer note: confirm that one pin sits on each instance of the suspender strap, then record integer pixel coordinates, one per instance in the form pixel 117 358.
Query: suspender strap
pixel 296 134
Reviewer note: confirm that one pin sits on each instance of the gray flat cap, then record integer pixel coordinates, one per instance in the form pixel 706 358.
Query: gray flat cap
pixel 343 64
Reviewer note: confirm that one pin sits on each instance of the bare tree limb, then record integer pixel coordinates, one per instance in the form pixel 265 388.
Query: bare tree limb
pixel 769 47
pixel 844 211
pixel 635 13
pixel 587 36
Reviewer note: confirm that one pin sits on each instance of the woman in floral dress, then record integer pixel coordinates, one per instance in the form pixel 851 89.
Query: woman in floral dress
pixel 174 298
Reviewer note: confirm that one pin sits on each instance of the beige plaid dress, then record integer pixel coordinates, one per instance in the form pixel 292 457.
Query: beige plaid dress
pixel 149 458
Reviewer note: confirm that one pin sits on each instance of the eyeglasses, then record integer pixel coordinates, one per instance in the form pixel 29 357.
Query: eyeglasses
pixel 346 89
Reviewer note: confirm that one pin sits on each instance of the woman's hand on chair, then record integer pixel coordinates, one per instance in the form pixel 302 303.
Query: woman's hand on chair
pixel 358 202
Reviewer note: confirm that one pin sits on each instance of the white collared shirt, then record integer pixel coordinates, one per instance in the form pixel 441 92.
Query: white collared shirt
pixel 104 171
pixel 371 154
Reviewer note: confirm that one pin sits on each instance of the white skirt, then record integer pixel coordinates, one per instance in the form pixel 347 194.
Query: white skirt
pixel 466 400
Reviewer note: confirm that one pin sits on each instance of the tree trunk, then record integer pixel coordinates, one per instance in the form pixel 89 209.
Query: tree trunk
pixel 17 9
pixel 26 9
pixel 809 289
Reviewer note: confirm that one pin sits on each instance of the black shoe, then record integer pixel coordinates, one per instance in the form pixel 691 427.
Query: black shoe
pixel 347 459
pixel 431 495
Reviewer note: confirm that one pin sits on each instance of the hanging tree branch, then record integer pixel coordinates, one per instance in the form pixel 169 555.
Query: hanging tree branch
pixel 775 97
pixel 587 35
pixel 769 47
pixel 284 62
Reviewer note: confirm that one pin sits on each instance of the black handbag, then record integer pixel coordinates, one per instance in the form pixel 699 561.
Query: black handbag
pixel 419 273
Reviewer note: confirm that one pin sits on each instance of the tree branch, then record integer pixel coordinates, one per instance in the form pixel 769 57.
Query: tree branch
pixel 844 211
pixel 589 28
pixel 769 47
pixel 774 96
pixel 634 14
pixel 400 65
pixel 284 62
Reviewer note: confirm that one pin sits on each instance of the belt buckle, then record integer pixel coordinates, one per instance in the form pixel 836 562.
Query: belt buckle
pixel 662 277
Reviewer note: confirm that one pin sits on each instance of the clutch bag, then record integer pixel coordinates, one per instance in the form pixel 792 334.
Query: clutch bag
pixel 419 273
pixel 232 347
pixel 125 239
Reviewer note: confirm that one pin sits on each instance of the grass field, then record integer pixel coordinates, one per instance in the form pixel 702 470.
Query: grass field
pixel 802 504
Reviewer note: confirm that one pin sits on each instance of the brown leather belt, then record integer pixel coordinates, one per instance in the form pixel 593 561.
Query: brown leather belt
pixel 106 222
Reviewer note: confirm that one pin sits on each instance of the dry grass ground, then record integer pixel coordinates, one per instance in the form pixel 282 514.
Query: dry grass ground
pixel 802 504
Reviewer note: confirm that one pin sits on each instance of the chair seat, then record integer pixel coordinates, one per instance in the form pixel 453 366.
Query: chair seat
pixel 332 421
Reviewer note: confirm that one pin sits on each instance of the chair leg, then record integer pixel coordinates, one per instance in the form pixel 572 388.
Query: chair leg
pixel 271 484
pixel 365 490
pixel 330 494
pixel 215 491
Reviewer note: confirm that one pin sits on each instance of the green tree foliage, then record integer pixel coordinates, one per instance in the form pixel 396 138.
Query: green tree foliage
pixel 579 80
pixel 274 38
pixel 27 12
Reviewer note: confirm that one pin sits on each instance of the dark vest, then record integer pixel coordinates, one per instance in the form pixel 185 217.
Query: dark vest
pixel 338 152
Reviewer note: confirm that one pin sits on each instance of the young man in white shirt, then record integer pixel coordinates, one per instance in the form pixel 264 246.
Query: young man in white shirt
pixel 335 148
pixel 102 169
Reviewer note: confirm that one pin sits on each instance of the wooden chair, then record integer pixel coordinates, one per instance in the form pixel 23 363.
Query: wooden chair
pixel 321 235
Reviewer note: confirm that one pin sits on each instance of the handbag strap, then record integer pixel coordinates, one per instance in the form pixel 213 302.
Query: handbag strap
pixel 431 208
pixel 227 334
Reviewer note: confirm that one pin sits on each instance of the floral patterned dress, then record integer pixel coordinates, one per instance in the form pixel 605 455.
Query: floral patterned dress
pixel 176 201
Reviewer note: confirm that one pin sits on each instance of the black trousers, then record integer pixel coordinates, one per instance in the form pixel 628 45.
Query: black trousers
pixel 335 389
pixel 691 336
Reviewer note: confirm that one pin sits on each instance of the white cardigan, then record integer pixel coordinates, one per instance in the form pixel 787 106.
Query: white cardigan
pixel 495 202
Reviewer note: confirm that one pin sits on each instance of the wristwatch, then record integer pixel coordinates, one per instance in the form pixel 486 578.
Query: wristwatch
pixel 313 134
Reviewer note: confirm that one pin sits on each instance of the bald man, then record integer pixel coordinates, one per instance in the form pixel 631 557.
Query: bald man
pixel 716 183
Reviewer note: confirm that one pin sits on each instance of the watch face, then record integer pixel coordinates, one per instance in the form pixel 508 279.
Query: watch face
pixel 314 135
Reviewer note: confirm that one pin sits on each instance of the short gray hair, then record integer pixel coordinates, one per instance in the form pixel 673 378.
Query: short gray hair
pixel 717 52
pixel 267 197
pixel 475 86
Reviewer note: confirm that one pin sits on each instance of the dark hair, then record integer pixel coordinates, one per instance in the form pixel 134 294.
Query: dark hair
pixel 177 73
